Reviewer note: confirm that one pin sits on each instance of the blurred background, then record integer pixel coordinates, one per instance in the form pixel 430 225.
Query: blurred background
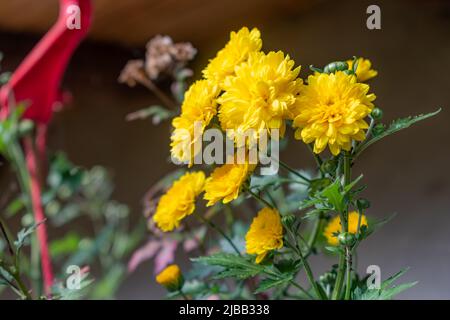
pixel 408 173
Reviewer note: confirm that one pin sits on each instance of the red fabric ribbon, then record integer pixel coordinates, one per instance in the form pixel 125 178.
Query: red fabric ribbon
pixel 36 82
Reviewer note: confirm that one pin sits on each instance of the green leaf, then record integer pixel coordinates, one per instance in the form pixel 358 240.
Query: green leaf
pixel 287 266
pixel 389 281
pixel 237 273
pixel 374 226
pixel 350 186
pixel 60 292
pixel 334 250
pixel 24 234
pixel 387 290
pixel 6 277
pixel 395 126
pixel 157 113
pixel 90 249
pixel 108 285
pixel 307 203
pixel 234 265
pixel 67 244
pixel 334 196
pixel 318 184
pixel 269 283
pixel 312 214
pixel 15 206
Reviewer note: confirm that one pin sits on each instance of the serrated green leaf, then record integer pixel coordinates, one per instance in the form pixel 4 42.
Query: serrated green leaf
pixel 60 292
pixel 287 266
pixel 234 265
pixel 309 203
pixel 334 196
pixel 270 283
pixel 387 290
pixel 23 235
pixel 395 126
pixel 236 273
pixel 389 281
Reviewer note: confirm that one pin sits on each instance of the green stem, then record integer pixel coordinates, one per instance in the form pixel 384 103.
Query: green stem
pixel 310 276
pixel 339 279
pixel 348 255
pixel 20 289
pixel 369 131
pixel 185 297
pixel 344 258
pixel 219 230
pixel 292 282
pixel 311 243
pixel 318 159
pixel 306 266
pixel 348 251
pixel 298 174
pixel 315 234
pixel 22 286
pixel 17 159
pixel 260 199
pixel 5 235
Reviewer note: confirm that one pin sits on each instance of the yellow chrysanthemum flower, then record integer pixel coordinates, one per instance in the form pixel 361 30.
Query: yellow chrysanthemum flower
pixel 225 182
pixel 364 70
pixel 171 278
pixel 265 234
pixel 261 94
pixel 236 51
pixel 331 111
pixel 334 227
pixel 199 106
pixel 179 201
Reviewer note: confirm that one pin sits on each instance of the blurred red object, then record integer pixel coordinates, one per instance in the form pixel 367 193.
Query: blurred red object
pixel 37 79
pixel 36 82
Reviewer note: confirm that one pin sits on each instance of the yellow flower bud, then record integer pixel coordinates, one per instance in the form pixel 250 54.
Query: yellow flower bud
pixel 171 278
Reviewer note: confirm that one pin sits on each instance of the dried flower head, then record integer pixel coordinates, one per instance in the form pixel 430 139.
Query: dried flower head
pixel 132 72
pixel 163 56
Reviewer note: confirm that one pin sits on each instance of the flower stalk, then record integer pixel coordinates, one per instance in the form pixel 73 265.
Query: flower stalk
pixel 220 231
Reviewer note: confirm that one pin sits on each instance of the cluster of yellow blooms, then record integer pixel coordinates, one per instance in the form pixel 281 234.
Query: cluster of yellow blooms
pixel 246 88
